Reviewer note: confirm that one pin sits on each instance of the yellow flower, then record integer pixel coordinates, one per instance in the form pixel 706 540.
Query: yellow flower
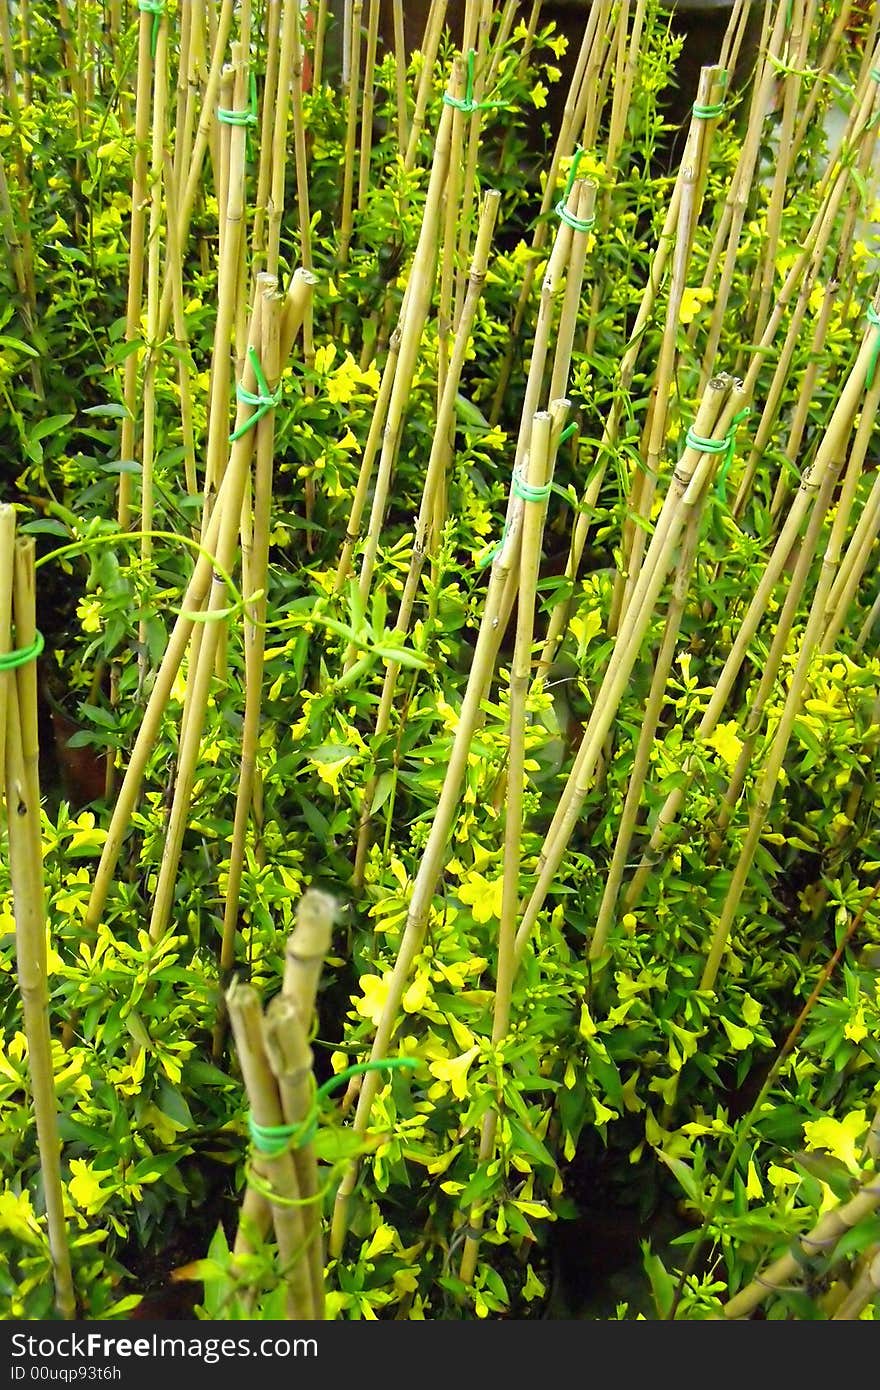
pixel 739 1037
pixel 538 95
pixel 726 742
pixel 344 382
pixel 753 1182
pixel 842 1138
pixel 380 1241
pixel 856 1029
pixel 415 997
pixel 88 610
pixel 691 303
pixel 85 1187
pixel 455 1072
pixel 483 895
pixel 17 1217
pixel 375 993
pixel 331 772
pixel 601 1112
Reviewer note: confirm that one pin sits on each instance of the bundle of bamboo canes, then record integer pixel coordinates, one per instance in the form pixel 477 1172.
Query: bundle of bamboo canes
pixel 276 1064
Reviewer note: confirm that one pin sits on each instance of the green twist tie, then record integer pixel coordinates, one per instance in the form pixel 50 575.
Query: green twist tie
pixel 875 74
pixel 568 432
pixel 726 446
pixel 10 661
pixel 706 111
pixel 247 118
pixel 874 320
pixel 529 492
pixel 156 8
pixel 467 103
pixel 264 399
pixel 580 224
pixel 273 1140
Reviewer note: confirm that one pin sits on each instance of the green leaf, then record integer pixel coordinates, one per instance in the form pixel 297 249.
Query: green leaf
pixel 18 346
pixel 113 410
pixel 529 1145
pixel 684 1174
pixel 98 715
pixel 661 1281
pixel 172 1103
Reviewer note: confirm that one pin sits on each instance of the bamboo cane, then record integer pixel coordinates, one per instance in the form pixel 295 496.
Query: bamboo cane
pixel 290 1058
pixel 488 641
pixel 561 610
pixel 268 123
pixel 445 313
pixel 199 678
pixel 647 734
pixel 572 119
pixel 781 635
pixel 148 442
pixel 810 646
pixel 833 441
pixel 254 638
pixel 194 598
pixel 715 414
pixel 799 47
pixel 645 479
pixel 26 873
pixel 434 484
pixel 307 948
pixel 479 47
pixel 207 126
pixel 319 42
pixel 805 396
pixel 417 304
pixel 366 146
pixel 429 47
pixel 400 66
pixel 137 228
pixel 344 219
pixel 275 1170
pixel 228 285
pixel 538 471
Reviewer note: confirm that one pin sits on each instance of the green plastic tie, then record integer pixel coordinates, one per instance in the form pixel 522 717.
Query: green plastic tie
pixel 275 1139
pixel 725 446
pixel 580 224
pixel 156 8
pixel 467 103
pixel 263 399
pixel 875 74
pixel 247 118
pixel 568 432
pixel 706 111
pixel 529 492
pixel 10 661
pixel 874 320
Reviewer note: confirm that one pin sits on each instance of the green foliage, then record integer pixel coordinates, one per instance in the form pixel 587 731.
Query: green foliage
pixel 622 1063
